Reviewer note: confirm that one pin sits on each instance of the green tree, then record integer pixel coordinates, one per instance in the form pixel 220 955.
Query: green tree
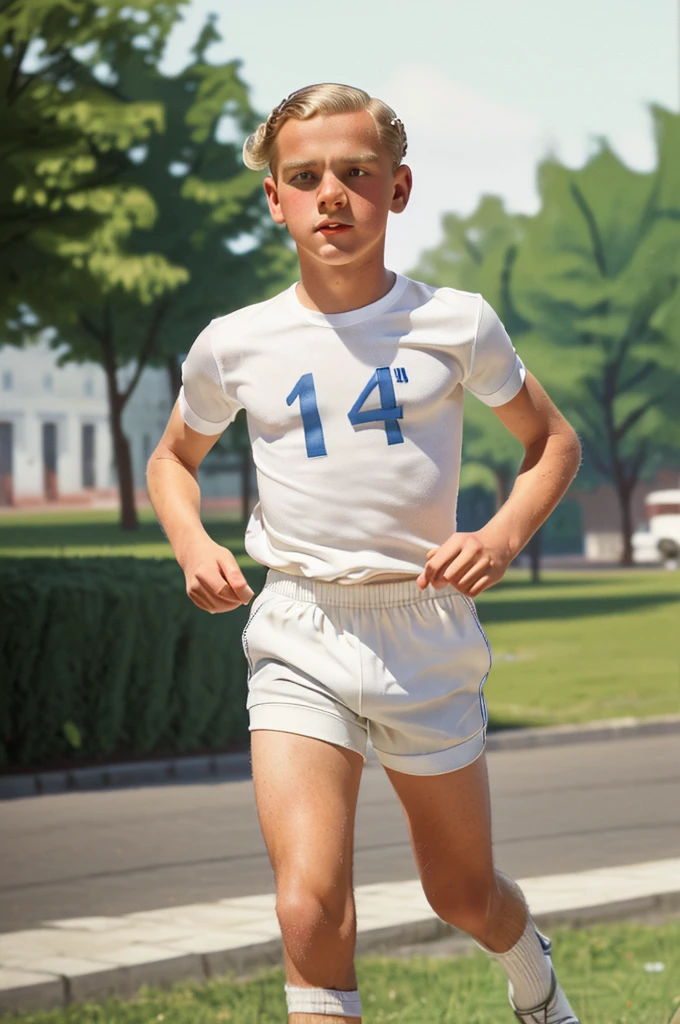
pixel 598 276
pixel 211 225
pixel 66 133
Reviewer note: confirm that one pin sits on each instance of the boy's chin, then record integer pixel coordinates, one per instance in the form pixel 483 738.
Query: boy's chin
pixel 332 257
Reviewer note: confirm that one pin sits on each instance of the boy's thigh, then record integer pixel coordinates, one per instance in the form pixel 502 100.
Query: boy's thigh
pixel 306 793
pixel 449 822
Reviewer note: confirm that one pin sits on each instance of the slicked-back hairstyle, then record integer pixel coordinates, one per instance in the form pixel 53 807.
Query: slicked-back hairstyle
pixel 327 99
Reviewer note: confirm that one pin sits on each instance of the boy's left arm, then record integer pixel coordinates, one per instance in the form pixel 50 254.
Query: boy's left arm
pixel 472 562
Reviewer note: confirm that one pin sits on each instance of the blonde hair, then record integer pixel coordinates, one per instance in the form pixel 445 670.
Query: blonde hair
pixel 326 99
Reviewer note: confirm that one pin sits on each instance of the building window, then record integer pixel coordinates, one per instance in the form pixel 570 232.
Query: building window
pixel 48 382
pixel 7 380
pixel 88 455
pixel 88 388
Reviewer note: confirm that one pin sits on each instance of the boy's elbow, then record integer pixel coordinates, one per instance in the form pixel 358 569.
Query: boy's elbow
pixel 573 448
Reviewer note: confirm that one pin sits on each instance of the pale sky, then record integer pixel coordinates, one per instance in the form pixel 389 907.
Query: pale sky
pixel 484 87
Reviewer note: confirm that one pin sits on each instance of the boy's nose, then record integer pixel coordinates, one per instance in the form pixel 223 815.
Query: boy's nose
pixel 331 192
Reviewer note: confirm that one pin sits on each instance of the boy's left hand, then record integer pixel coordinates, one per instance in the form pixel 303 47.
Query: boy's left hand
pixel 470 562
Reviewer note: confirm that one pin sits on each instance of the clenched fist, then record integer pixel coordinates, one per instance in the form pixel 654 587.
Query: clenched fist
pixel 470 562
pixel 214 581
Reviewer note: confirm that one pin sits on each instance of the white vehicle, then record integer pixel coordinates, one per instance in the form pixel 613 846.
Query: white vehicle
pixel 660 542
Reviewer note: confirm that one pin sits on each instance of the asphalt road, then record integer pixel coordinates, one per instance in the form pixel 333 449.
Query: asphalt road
pixel 113 852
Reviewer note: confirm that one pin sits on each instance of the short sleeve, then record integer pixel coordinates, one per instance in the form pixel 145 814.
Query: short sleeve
pixel 203 402
pixel 496 371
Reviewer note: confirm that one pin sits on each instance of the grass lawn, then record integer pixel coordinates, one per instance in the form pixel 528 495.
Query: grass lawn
pixel 580 646
pixel 602 968
pixel 95 533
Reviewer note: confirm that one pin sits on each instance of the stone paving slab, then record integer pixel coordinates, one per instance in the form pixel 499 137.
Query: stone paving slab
pixel 89 924
pixel 198 916
pixel 602 886
pixel 215 942
pixel 95 957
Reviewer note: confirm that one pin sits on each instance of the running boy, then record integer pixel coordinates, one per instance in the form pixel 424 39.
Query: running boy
pixel 353 385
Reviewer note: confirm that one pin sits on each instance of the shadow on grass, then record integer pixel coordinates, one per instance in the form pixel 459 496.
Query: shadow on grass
pixel 91 535
pixel 527 609
pixel 580 577
pixel 503 725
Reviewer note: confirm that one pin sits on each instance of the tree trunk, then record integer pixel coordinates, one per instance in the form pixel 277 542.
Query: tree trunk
pixel 502 486
pixel 121 450
pixel 126 487
pixel 174 376
pixel 246 485
pixel 534 548
pixel 103 332
pixel 625 496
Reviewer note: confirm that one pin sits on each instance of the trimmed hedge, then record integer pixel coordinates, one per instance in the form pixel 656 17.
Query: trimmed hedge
pixel 114 646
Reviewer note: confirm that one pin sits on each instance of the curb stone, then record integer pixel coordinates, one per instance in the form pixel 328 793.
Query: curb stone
pixel 221 767
pixel 29 989
pixel 587 732
pixel 235 767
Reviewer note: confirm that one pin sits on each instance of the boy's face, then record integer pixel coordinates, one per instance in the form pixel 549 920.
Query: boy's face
pixel 333 187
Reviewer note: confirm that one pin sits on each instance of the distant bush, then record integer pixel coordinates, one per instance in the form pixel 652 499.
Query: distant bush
pixel 101 656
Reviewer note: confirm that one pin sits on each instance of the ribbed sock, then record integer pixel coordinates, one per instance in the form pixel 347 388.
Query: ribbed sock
pixel 329 1001
pixel 528 968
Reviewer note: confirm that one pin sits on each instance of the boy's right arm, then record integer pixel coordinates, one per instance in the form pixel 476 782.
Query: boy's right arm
pixel 214 580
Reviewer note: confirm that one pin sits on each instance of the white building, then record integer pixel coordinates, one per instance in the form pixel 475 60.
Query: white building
pixel 55 440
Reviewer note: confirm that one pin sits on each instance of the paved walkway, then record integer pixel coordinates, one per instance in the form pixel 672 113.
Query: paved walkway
pixel 93 957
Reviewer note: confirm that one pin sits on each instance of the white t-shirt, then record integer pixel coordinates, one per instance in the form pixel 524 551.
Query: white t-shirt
pixel 355 421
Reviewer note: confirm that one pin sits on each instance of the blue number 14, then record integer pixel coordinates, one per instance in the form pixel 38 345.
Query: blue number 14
pixel 311 421
pixel 389 412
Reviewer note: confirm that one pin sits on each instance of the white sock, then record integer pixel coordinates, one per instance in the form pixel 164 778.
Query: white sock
pixel 329 1001
pixel 529 969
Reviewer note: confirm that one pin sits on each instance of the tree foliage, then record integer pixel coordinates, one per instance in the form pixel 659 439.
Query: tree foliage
pixel 67 131
pixel 125 191
pixel 598 276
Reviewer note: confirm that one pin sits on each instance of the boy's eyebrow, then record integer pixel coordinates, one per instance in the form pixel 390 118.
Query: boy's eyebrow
pixel 361 158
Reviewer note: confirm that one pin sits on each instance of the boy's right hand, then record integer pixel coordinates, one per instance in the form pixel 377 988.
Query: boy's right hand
pixel 214 580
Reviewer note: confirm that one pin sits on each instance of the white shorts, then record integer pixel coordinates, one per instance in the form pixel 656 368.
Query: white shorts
pixel 387 660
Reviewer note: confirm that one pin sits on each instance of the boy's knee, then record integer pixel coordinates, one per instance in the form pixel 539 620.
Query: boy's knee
pixel 466 906
pixel 304 910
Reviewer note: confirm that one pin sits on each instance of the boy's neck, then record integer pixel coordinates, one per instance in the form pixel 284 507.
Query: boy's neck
pixel 341 289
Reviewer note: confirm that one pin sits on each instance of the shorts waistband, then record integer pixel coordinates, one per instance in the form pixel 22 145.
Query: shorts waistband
pixel 352 595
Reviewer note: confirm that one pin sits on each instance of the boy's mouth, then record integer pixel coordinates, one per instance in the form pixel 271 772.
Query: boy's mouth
pixel 332 227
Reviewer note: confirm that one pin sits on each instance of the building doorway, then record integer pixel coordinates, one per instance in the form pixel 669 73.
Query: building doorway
pixel 49 458
pixel 6 456
pixel 88 455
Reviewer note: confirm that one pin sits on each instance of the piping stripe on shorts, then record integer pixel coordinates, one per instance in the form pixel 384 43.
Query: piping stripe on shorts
pixel 244 637
pixel 482 702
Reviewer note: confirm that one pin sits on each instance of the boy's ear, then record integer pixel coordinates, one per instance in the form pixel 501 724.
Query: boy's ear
pixel 273 200
pixel 403 183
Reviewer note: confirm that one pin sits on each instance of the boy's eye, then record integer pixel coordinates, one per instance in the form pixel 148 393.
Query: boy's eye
pixel 356 172
pixel 302 176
